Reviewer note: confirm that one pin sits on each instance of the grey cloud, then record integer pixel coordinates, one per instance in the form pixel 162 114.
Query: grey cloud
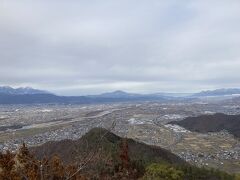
pixel 81 47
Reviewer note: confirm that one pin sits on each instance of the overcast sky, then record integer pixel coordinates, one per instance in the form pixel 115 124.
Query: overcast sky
pixel 75 47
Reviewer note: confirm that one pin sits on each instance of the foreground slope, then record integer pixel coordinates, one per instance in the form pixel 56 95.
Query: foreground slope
pixel 103 155
pixel 107 144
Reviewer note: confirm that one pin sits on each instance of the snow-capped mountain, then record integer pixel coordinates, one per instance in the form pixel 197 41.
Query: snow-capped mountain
pixel 21 90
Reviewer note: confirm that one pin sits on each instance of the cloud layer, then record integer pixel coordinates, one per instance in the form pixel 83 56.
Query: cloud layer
pixel 87 47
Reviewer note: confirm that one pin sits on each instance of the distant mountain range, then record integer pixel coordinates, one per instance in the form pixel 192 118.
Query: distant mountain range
pixel 21 90
pixel 212 123
pixel 10 95
pixel 118 94
pixel 27 95
pixel 51 98
pixel 122 94
pixel 218 92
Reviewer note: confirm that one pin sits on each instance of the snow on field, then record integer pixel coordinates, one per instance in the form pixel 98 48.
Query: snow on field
pixel 45 110
pixel 173 116
pixel 134 121
pixel 3 117
pixel 209 112
pixel 176 128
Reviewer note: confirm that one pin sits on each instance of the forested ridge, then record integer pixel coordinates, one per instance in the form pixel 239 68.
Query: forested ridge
pixel 106 156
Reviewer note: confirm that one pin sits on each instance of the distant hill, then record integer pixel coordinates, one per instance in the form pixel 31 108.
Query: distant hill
pixel 51 98
pixel 166 94
pixel 72 151
pixel 218 92
pixel 20 91
pixel 9 95
pixel 123 94
pixel 118 94
pixel 40 99
pixel 28 95
pixel 212 123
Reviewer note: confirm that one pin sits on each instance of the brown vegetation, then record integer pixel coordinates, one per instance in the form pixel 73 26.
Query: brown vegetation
pixel 106 159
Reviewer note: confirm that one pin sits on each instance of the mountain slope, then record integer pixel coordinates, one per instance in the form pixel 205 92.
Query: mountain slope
pixel 118 94
pixel 212 123
pixel 100 154
pixel 72 151
pixel 45 99
pixel 218 92
pixel 51 98
pixel 20 91
pixel 10 95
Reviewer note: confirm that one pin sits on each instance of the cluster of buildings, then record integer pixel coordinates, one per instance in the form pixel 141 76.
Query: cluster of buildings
pixel 146 122
pixel 203 159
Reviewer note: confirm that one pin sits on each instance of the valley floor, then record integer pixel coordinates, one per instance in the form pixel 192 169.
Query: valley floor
pixel 144 122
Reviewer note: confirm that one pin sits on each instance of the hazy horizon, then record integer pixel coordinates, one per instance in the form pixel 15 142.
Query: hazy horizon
pixel 79 47
pixel 116 90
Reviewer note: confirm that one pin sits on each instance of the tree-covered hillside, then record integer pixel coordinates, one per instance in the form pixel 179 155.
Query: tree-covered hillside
pixel 100 154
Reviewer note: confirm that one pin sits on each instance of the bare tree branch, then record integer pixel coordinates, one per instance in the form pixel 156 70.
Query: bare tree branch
pixel 95 151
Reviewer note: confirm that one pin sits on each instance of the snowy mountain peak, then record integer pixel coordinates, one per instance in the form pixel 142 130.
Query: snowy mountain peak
pixel 21 90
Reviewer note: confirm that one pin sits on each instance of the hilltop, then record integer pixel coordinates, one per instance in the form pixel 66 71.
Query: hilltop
pixel 72 151
pixel 100 154
pixel 212 123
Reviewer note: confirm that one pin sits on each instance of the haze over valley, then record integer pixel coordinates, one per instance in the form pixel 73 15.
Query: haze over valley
pixel 145 118
pixel 116 90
